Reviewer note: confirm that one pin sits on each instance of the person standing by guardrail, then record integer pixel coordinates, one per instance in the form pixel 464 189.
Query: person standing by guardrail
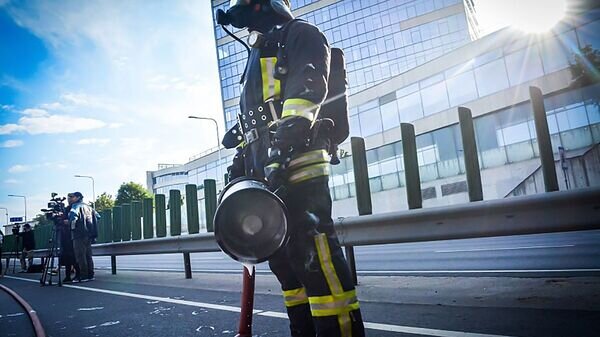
pixel 82 219
pixel 1 243
pixel 28 247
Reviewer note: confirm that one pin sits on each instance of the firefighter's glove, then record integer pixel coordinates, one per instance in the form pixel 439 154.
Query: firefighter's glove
pixel 275 168
pixel 292 133
pixel 236 169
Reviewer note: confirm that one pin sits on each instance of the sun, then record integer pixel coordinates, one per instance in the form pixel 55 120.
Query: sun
pixel 530 16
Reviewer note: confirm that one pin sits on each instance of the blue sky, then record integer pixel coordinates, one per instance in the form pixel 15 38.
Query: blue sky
pixel 101 88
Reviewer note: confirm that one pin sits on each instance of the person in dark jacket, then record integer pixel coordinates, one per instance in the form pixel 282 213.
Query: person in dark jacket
pixel 67 254
pixel 280 102
pixel 28 239
pixel 82 220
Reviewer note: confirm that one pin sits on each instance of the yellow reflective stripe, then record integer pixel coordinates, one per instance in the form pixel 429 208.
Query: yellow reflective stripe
pixel 343 302
pixel 311 157
pixel 274 165
pixel 334 312
pixel 299 107
pixel 295 297
pixel 271 86
pixel 309 172
pixel 345 296
pixel 242 144
pixel 327 265
pixel 345 324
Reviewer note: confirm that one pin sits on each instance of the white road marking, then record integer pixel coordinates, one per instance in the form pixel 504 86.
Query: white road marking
pixel 502 248
pixel 275 314
pixel 369 272
pixel 475 271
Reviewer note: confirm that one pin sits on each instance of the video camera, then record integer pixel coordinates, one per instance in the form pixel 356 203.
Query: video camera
pixel 16 229
pixel 56 208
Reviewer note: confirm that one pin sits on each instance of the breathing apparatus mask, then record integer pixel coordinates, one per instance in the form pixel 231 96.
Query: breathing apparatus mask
pixel 252 13
pixel 256 15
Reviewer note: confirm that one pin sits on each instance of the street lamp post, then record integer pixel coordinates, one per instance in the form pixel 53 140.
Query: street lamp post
pixel 24 199
pixel 6 210
pixel 93 188
pixel 218 141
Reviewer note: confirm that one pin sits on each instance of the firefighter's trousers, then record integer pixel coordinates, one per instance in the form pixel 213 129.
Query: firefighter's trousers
pixel 317 287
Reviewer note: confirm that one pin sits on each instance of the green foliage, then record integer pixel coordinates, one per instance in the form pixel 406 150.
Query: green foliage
pixel 42 220
pixel 586 69
pixel 104 201
pixel 131 191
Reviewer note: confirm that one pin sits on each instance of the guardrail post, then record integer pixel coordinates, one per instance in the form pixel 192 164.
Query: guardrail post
pixel 113 265
pixel 210 203
pixel 543 139
pixel 117 218
pixel 148 219
pixel 126 222
pixel 108 223
pixel 411 166
pixel 191 195
pixel 363 193
pixel 100 228
pixel 136 220
pixel 175 212
pixel 161 216
pixel 187 264
pixel 467 133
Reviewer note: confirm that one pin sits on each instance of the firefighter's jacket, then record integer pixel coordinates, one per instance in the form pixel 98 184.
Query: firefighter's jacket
pixel 292 88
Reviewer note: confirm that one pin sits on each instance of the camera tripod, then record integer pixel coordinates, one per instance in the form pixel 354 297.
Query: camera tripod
pixel 48 266
pixel 14 254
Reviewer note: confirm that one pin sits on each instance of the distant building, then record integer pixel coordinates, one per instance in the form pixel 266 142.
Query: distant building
pixel 414 61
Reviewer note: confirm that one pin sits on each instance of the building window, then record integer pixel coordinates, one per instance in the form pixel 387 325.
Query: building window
pixel 491 78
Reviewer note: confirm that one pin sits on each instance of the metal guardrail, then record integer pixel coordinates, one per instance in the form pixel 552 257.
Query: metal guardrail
pixel 540 213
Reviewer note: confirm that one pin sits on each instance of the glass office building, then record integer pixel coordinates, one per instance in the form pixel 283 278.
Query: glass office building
pixel 415 62
pixel 380 38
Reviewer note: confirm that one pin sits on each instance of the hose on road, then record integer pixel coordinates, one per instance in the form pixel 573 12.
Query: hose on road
pixel 33 317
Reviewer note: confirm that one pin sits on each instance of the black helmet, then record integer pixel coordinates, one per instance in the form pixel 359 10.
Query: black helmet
pixel 281 7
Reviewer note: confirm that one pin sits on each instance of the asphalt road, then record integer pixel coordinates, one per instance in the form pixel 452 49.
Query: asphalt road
pixel 540 255
pixel 116 307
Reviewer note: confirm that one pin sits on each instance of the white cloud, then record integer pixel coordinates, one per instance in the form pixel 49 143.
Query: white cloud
pixel 38 121
pixel 12 143
pixel 93 141
pixel 12 181
pixel 35 112
pixel 115 125
pixel 19 168
pixel 52 106
pixel 143 69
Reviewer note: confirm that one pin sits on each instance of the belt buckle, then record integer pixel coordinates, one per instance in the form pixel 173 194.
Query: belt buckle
pixel 251 136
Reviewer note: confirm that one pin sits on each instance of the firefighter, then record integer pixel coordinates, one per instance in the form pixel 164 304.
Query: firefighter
pixel 280 138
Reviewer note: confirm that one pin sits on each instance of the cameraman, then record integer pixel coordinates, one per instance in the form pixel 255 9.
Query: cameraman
pixel 67 254
pixel 1 242
pixel 82 219
pixel 28 246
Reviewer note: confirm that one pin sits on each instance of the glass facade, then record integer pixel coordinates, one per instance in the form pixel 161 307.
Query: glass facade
pixel 486 74
pixel 504 136
pixel 371 33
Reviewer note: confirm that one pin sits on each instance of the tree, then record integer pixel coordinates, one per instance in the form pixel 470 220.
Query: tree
pixel 104 201
pixel 586 69
pixel 42 219
pixel 131 191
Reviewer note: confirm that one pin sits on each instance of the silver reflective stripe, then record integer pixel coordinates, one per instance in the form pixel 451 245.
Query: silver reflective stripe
pixel 309 172
pixel 269 67
pixel 317 155
pixel 339 304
